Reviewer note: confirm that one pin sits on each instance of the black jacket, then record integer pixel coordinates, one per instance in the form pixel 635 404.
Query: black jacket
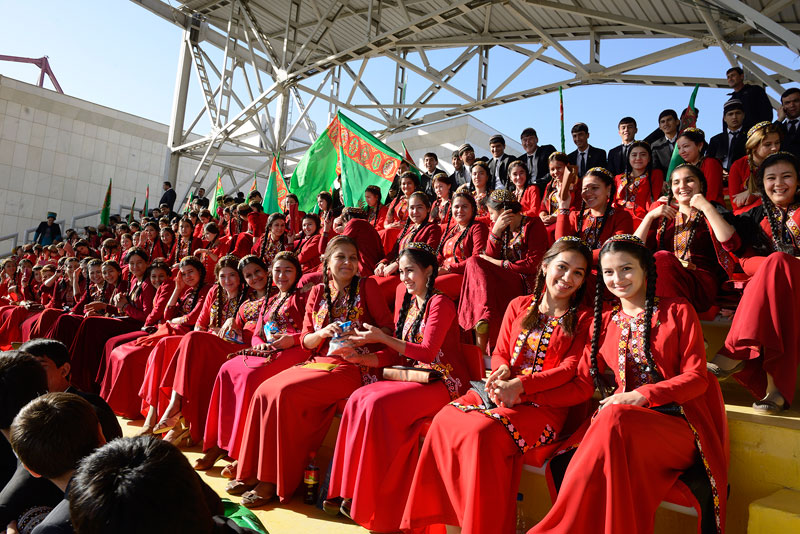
pixel 791 143
pixel 595 157
pixel 168 198
pixel 539 176
pixel 502 172
pixel 718 147
pixel 755 103
pixel 616 160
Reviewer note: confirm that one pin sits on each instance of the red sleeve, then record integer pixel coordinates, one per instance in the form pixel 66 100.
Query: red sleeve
pixel 566 224
pixel 142 305
pixel 656 186
pixel 382 211
pixel 431 235
pixel 543 207
pixel 310 253
pixel 475 245
pixel 531 200
pixel 256 248
pixel 160 303
pixel 376 304
pixel 501 355
pixel 323 242
pixel 536 240
pixel 565 370
pixel 692 380
pixel 308 316
pixel 244 243
pixel 202 318
pixel 712 169
pixel 738 174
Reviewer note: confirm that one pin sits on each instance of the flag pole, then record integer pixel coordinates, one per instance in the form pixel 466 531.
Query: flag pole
pixel 561 103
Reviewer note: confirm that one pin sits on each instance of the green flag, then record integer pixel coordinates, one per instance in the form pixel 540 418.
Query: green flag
pixel 344 148
pixel 218 192
pixel 133 206
pixel 276 189
pixel 105 213
pixel 146 201
pixel 688 120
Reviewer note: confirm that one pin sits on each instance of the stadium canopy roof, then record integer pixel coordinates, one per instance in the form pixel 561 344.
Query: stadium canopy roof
pixel 280 56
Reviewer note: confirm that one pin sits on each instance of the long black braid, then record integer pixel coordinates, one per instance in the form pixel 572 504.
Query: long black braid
pixel 423 259
pixel 201 269
pixel 776 226
pixel 636 248
pixel 353 287
pixel 608 180
pixel 265 238
pixel 699 218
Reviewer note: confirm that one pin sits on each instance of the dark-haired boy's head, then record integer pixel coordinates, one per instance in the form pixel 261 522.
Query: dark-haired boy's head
pixel 22 379
pixel 134 485
pixel 52 433
pixel 53 355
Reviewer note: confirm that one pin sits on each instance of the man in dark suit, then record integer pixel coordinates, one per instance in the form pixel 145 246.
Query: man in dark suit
pixel 662 149
pixel 728 146
pixel 498 165
pixel 755 101
pixel 586 156
pixel 790 111
pixel 431 163
pixel 618 156
pixel 51 435
pixel 535 159
pixel 460 174
pixel 169 196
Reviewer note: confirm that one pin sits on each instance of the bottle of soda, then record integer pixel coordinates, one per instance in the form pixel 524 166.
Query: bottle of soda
pixel 311 481
pixel 522 523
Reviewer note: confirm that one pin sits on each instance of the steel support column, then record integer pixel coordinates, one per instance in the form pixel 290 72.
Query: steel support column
pixel 175 135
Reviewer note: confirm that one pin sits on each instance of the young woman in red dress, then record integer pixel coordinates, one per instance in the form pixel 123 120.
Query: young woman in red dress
pixel 763 139
pixel 528 195
pixel 62 287
pixel 480 189
pixel 132 308
pixel 353 223
pixel 417 228
pixel 215 246
pixel 125 365
pixel 472 447
pixel 275 347
pixel 506 270
pixel 291 412
pixel 397 211
pixel 596 219
pixel 306 248
pixel 325 205
pixel 378 440
pixel 693 243
pixel 763 346
pixel 376 212
pixel 692 145
pixel 440 209
pixel 548 209
pixel 640 185
pixel 168 242
pixel 465 238
pixel 186 242
pixel 273 240
pixel 665 415
pixel 150 241
pixel 42 299
pixel 226 323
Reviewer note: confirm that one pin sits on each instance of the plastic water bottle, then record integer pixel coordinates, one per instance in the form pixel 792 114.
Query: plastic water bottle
pixel 311 481
pixel 522 523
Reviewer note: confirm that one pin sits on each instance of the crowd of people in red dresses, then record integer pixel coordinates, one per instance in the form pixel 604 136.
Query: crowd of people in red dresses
pixel 249 332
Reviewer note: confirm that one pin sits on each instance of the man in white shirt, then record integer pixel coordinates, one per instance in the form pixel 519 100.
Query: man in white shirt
pixel 586 156
pixel 662 149
pixel 729 145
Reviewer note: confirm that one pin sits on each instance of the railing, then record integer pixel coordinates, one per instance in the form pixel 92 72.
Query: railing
pixel 84 216
pixel 30 231
pixel 14 238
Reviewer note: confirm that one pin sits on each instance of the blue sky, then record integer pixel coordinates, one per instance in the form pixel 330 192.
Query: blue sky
pixel 117 54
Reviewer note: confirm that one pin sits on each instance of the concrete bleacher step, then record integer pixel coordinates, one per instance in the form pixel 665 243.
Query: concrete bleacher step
pixel 778 512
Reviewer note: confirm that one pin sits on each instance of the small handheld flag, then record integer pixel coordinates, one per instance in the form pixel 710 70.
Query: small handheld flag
pixel 105 213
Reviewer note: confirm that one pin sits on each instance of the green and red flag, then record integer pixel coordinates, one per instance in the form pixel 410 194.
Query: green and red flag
pixel 105 212
pixel 276 189
pixel 130 215
pixel 218 192
pixel 688 120
pixel 254 187
pixel 361 158
pixel 561 103
pixel 146 200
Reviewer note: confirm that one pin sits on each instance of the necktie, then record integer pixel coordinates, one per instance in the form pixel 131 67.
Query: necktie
pixel 793 126
pixel 625 149
pixel 582 165
pixel 531 167
pixel 729 157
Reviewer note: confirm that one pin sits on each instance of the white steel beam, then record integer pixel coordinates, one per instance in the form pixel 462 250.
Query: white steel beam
pixel 766 62
pixel 763 24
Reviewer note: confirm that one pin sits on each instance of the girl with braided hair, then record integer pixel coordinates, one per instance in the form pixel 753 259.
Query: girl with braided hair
pixel 150 241
pixel 464 239
pixel 376 212
pixel 763 139
pixel 506 270
pixel 273 240
pixel 307 246
pixel 397 211
pixel 353 224
pixel 226 322
pixel 481 188
pixel 290 413
pixel 440 209
pixel 168 242
pixel 762 346
pixel 665 416
pixel 640 185
pixel 691 144
pixel 417 228
pixel 186 243
pixel 693 243
pixel 280 315
pixel 528 195
pixel 125 366
pixel 548 209
pixel 214 247
pixel 596 220
pixel 131 308
pixel 541 340
pixel 379 434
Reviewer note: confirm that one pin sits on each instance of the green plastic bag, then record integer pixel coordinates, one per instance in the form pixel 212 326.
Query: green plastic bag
pixel 242 516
